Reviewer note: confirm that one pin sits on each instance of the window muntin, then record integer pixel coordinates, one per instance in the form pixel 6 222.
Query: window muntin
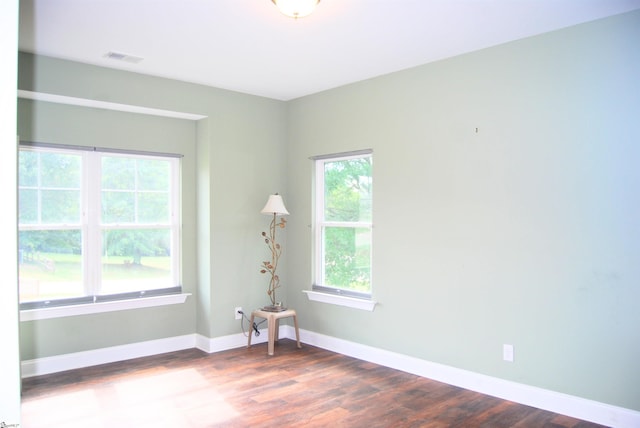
pixel 343 241
pixel 95 226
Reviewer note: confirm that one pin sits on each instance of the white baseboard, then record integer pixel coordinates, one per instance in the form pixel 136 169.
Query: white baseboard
pixel 556 402
pixel 552 401
pixel 76 360
pixel 223 343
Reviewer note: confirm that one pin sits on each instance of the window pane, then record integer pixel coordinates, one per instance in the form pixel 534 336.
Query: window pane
pixel 28 168
pixel 60 206
pixel 50 264
pixel 347 185
pixel 118 207
pixel 153 207
pixel 153 174
pixel 60 170
pixel 136 259
pixel 28 206
pixel 347 258
pixel 118 173
pixel 49 188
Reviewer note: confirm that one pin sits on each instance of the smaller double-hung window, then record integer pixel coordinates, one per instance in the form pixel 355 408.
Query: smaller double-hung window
pixel 343 224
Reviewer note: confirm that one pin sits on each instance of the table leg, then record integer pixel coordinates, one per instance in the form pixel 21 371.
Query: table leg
pixel 295 323
pixel 272 334
pixel 250 331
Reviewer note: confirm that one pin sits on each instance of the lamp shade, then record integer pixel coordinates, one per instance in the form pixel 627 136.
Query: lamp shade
pixel 275 205
pixel 296 8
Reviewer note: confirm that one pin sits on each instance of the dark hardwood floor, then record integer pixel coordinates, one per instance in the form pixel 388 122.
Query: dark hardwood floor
pixel 243 387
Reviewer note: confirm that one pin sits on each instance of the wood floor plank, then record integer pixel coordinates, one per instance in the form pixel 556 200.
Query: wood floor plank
pixel 308 387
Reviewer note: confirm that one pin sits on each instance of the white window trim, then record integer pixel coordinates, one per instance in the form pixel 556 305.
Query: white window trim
pixel 364 303
pixel 95 308
pixel 335 299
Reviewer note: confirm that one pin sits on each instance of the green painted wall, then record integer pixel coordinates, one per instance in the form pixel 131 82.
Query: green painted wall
pixel 506 209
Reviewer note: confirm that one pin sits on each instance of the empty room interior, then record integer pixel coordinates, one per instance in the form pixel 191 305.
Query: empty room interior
pixel 452 191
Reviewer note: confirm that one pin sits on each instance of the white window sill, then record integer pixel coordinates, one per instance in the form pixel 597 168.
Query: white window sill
pixel 94 308
pixel 334 299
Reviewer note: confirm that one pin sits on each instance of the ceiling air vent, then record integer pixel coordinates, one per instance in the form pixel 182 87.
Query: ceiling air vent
pixel 123 57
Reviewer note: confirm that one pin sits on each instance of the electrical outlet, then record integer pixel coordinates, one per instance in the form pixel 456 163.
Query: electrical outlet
pixel 237 311
pixel 507 353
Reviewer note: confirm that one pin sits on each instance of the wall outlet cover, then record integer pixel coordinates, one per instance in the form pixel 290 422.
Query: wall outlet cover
pixel 507 353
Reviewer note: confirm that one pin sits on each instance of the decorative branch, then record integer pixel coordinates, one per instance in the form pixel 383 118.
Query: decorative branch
pixel 276 250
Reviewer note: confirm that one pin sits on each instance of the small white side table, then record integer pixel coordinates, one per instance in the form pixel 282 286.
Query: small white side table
pixel 273 321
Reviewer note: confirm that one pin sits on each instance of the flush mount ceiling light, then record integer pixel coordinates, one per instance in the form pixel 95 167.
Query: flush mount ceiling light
pixel 296 8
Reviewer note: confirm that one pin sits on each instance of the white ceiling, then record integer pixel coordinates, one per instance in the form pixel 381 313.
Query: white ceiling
pixel 248 46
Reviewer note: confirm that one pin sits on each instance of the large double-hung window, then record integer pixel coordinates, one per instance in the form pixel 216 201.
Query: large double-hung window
pixel 96 225
pixel 343 226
